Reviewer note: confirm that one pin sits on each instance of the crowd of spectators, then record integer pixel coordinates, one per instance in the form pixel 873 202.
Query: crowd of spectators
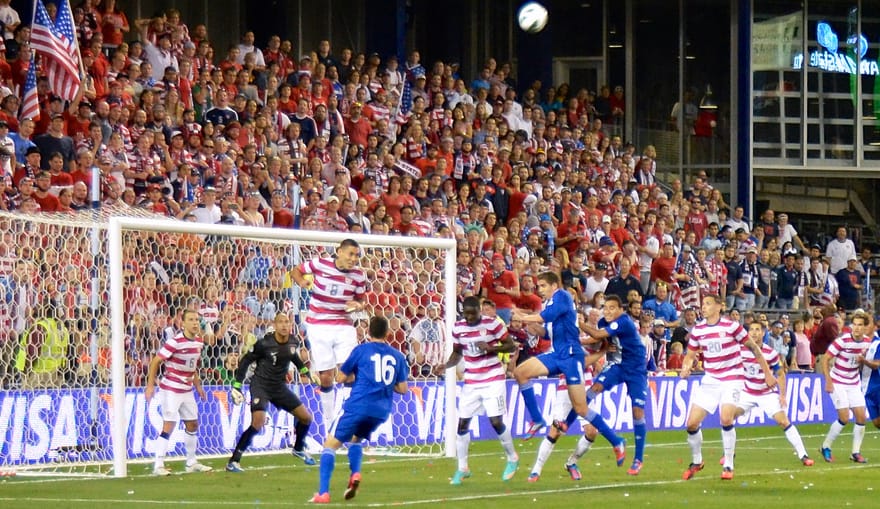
pixel 525 178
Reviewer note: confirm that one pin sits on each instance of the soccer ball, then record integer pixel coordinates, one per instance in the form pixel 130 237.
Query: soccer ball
pixel 532 17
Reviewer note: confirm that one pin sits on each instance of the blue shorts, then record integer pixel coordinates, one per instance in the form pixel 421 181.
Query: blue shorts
pixel 350 425
pixel 872 402
pixel 636 383
pixel 572 366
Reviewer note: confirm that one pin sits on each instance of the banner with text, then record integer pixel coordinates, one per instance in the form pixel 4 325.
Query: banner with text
pixel 63 425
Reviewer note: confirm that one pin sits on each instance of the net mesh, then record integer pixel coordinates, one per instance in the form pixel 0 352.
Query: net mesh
pixel 55 365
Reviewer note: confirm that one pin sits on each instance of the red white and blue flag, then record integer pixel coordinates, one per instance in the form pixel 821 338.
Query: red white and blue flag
pixel 30 105
pixel 57 43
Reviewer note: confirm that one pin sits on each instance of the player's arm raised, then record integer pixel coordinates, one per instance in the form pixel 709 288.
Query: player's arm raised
pixel 300 278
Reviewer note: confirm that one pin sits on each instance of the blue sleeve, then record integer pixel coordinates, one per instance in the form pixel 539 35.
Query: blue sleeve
pixel 652 366
pixel 349 366
pixel 402 369
pixel 560 304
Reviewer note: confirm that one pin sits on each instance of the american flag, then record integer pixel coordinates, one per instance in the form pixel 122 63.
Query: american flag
pixel 30 107
pixel 57 43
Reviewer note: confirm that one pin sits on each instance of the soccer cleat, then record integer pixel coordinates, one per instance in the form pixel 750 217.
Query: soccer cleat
pixel 320 498
pixel 727 474
pixel 533 429
pixel 234 467
pixel 573 471
pixel 510 470
pixel 303 455
pixel 353 483
pixel 458 476
pixel 620 452
pixel 533 477
pixel 197 467
pixel 692 470
pixel 858 458
pixel 807 461
pixel 161 472
pixel 826 454
pixel 635 468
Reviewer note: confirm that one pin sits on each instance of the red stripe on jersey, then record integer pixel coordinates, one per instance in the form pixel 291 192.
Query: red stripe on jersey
pixel 181 356
pixel 754 382
pixel 846 350
pixel 720 344
pixel 333 289
pixel 480 367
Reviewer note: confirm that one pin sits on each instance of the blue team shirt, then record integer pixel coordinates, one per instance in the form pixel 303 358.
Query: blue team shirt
pixel 560 320
pixel 872 386
pixel 624 334
pixel 377 368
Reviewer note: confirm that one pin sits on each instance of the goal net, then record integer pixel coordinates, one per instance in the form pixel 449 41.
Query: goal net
pixel 102 293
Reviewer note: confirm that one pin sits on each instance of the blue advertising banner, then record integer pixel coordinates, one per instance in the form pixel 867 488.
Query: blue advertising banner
pixel 52 425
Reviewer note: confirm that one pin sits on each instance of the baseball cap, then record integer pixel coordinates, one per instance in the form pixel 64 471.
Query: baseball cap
pixel 606 219
pixel 497 256
pixel 333 198
pixel 752 249
pixel 852 258
pixel 777 323
pixel 659 323
pixel 545 217
pixel 606 241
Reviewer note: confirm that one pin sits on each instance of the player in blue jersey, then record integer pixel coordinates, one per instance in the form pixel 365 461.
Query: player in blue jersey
pixel 870 363
pixel 378 371
pixel 559 318
pixel 630 367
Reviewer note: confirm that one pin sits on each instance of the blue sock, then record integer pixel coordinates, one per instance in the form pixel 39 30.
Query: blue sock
pixel 328 463
pixel 599 423
pixel 355 457
pixel 528 396
pixel 640 430
pixel 570 418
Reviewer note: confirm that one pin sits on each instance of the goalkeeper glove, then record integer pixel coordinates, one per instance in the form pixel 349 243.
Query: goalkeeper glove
pixel 304 371
pixel 237 395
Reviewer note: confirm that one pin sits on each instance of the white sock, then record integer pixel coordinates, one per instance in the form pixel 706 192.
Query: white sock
pixel 833 433
pixel 728 441
pixel 858 436
pixel 462 444
pixel 583 445
pixel 161 449
pixel 794 438
pixel 695 440
pixel 190 441
pixel 544 452
pixel 328 407
pixel 507 444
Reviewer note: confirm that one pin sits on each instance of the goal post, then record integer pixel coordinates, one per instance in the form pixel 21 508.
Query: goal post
pixel 394 258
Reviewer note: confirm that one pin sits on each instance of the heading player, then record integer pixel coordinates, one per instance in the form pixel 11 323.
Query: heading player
pixel 273 354
pixel 847 352
pixel 181 355
pixel 720 341
pixel 338 288
pixel 478 339
pixel 377 371
pixel 631 369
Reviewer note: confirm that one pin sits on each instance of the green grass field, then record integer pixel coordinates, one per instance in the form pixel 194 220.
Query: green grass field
pixel 767 475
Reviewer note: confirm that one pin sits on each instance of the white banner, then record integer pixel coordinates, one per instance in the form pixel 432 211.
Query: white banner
pixel 776 41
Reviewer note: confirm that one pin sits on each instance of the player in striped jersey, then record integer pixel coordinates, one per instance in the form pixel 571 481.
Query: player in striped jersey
pixel 478 339
pixel 720 340
pixel 180 355
pixel 842 381
pixel 338 287
pixel 757 394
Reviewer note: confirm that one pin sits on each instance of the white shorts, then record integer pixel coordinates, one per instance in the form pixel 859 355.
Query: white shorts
pixel 847 396
pixel 768 403
pixel 330 345
pixel 489 396
pixel 711 393
pixel 178 406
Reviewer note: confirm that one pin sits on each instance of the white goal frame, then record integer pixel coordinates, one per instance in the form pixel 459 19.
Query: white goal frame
pixel 119 427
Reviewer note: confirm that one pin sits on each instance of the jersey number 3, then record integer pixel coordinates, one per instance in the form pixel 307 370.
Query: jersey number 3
pixel 383 368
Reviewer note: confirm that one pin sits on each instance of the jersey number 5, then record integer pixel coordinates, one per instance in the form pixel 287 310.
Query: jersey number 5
pixel 383 368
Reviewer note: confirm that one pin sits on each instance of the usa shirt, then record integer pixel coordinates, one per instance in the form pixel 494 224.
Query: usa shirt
pixel 181 355
pixel 721 344
pixel 333 289
pixel 480 366
pixel 846 350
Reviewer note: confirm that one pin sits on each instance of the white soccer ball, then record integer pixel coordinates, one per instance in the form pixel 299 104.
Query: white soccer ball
pixel 532 17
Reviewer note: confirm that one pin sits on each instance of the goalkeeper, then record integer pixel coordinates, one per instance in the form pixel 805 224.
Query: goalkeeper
pixel 272 355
